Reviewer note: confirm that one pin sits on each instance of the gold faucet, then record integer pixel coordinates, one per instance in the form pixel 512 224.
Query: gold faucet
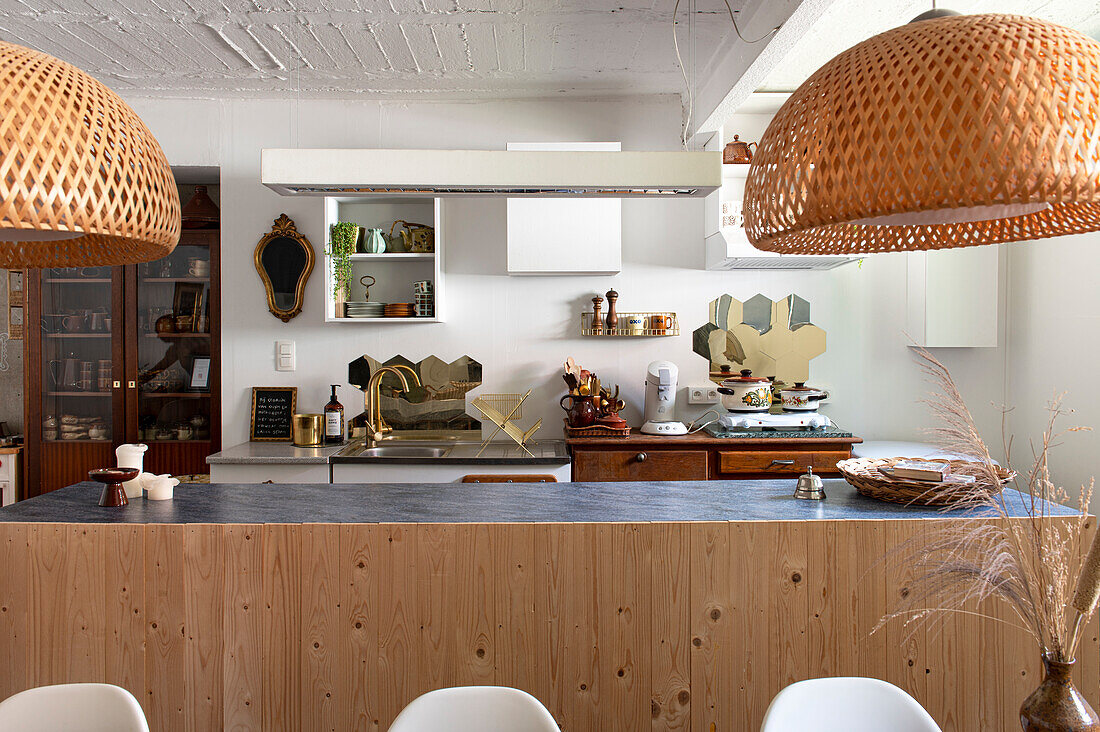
pixel 376 424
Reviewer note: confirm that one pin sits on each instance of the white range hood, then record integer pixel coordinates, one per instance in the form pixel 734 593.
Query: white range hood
pixel 512 173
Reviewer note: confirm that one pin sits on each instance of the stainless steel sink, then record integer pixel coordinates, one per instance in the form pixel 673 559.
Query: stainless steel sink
pixel 421 436
pixel 403 451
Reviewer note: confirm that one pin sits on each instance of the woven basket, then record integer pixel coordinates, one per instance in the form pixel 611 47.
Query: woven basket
pixel 865 475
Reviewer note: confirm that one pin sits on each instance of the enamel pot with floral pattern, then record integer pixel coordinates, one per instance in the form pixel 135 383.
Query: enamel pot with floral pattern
pixel 746 393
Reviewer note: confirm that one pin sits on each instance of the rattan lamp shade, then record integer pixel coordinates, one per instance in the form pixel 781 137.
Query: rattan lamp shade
pixel 959 131
pixel 82 180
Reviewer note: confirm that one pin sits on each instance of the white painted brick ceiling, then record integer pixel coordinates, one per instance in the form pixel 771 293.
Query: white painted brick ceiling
pixel 381 48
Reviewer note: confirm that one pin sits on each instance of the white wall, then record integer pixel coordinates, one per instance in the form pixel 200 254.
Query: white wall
pixel 522 329
pixel 1054 344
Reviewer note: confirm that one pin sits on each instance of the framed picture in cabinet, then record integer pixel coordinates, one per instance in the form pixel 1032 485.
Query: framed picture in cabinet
pixel 200 373
pixel 187 303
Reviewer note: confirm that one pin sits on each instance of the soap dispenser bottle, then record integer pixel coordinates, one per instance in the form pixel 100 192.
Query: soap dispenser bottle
pixel 334 420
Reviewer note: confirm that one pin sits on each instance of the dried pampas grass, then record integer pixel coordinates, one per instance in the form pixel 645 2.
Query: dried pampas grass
pixel 1033 564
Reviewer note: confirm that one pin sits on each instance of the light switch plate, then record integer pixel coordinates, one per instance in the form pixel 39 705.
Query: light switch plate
pixel 284 356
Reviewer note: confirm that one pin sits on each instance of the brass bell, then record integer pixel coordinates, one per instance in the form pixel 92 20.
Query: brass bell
pixel 810 486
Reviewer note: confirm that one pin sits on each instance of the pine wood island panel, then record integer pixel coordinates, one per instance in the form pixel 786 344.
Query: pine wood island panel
pixel 613 626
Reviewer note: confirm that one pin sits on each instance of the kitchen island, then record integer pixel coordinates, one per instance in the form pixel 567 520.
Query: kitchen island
pixel 672 605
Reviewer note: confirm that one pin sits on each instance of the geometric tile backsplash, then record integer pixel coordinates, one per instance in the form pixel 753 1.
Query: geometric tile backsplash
pixel 439 403
pixel 774 339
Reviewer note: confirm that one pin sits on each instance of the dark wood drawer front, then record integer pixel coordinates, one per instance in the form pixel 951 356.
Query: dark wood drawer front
pixel 622 465
pixel 779 462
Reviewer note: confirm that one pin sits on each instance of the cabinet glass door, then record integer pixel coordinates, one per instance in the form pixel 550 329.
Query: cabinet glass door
pixel 79 358
pixel 173 346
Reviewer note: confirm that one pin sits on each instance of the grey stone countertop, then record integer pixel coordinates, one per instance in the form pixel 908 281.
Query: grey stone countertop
pixel 544 452
pixel 229 503
pixel 273 453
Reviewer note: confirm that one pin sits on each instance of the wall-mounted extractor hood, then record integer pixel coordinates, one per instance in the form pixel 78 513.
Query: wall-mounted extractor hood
pixel 512 173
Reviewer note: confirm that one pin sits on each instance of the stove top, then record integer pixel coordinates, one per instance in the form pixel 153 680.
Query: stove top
pixel 786 425
pixel 781 420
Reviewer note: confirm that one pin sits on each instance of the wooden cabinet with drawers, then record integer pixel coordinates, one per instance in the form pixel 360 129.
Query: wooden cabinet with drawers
pixel 639 464
pixel 693 457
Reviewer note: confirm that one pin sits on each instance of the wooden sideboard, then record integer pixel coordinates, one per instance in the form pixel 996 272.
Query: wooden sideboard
pixel 702 457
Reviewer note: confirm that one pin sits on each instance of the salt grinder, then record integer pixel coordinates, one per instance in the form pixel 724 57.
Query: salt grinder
pixel 810 486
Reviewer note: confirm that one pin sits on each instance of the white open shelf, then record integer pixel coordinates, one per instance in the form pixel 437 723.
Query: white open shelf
pixel 394 272
pixel 384 320
pixel 396 257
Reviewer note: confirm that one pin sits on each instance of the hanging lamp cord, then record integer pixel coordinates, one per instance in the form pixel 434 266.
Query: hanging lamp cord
pixel 683 71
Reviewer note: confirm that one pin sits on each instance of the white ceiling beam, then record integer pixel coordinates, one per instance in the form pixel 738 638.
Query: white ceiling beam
pixel 743 68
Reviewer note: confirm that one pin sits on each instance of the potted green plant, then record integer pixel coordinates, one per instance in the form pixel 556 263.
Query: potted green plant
pixel 341 246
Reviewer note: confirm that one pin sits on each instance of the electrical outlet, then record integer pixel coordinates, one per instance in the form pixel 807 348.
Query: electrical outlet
pixel 705 394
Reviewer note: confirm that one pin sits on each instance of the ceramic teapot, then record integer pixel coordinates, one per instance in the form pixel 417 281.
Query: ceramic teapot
pixel 416 237
pixel 738 151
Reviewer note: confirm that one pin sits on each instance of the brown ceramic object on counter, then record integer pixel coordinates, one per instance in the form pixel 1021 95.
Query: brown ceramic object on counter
pixel 612 420
pixel 112 479
pixel 581 412
pixel 1057 706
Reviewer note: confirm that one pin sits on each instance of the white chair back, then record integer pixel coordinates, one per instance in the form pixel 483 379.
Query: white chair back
pixel 475 709
pixel 846 704
pixel 73 707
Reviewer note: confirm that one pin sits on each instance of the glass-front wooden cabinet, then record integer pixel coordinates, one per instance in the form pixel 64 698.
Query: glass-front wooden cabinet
pixel 123 354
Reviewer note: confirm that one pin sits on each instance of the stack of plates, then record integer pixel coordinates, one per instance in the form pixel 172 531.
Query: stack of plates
pixel 365 309
pixel 399 310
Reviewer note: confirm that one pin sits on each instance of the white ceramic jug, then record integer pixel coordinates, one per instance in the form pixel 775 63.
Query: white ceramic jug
pixel 131 456
pixel 160 487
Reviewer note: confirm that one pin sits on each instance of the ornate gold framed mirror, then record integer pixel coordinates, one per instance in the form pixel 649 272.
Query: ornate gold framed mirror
pixel 284 259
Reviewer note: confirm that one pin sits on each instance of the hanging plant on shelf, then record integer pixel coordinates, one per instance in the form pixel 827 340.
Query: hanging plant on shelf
pixel 341 247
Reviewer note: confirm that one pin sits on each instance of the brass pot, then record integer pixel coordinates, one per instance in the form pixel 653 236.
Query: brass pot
pixel 307 430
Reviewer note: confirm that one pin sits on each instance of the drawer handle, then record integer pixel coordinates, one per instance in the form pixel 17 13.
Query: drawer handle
pixel 782 462
pixel 641 457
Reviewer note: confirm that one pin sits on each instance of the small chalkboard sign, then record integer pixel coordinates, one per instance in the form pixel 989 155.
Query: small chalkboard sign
pixel 272 409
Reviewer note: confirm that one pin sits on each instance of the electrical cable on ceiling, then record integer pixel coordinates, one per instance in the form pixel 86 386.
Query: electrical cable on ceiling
pixel 683 70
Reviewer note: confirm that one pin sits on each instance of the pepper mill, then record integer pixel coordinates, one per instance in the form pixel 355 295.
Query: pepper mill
pixel 597 318
pixel 612 316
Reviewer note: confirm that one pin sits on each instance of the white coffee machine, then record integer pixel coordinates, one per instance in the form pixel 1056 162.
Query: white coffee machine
pixel 660 400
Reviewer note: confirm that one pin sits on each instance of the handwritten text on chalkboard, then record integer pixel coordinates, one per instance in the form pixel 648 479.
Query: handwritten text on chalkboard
pixel 272 408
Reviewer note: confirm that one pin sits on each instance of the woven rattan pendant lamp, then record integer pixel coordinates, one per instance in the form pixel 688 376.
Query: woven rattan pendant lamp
pixel 950 132
pixel 82 180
